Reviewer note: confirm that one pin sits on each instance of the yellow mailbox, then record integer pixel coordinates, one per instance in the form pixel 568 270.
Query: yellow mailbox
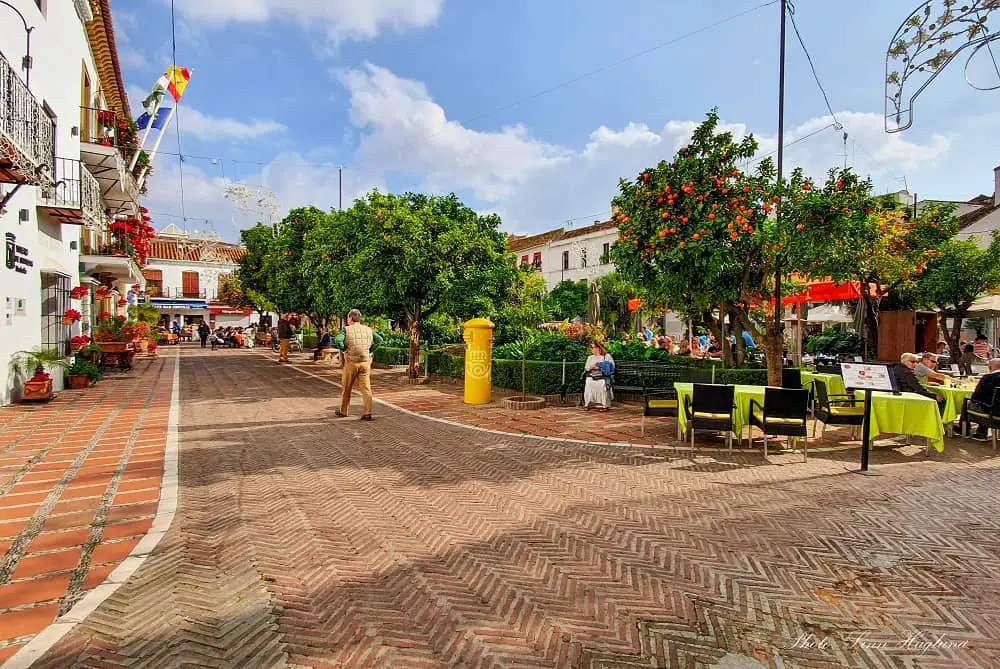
pixel 478 361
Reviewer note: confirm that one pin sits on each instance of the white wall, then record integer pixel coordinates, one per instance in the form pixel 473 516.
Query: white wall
pixel 208 275
pixel 593 244
pixel 59 50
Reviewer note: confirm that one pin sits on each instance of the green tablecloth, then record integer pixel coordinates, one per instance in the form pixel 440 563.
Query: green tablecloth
pixel 834 382
pixel 954 398
pixel 742 396
pixel 907 414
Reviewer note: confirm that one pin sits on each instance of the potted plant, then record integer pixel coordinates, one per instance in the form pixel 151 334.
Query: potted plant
pixel 79 292
pixel 71 316
pixel 39 386
pixel 78 342
pixel 82 373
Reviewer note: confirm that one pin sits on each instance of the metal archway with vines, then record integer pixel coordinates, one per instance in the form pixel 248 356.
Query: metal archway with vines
pixel 927 41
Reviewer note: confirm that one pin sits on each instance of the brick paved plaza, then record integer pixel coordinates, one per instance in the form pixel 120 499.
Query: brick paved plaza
pixel 304 541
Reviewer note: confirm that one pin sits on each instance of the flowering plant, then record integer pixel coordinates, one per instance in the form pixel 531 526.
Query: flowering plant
pixel 103 315
pixel 71 316
pixel 80 339
pixel 122 302
pixel 79 292
pixel 102 292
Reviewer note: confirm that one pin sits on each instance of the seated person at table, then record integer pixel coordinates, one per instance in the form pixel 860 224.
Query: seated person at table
pixel 982 396
pixel 684 348
pixel 967 360
pixel 325 342
pixel 598 370
pixel 926 370
pixel 906 379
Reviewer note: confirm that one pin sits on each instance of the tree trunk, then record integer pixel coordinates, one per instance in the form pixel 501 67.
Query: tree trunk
pixel 737 327
pixel 414 370
pixel 953 337
pixel 869 323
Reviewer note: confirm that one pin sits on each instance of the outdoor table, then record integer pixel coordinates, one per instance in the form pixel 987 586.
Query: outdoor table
pixel 907 413
pixel 954 398
pixel 834 382
pixel 741 414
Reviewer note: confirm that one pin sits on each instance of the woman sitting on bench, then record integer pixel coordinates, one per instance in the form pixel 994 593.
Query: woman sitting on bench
pixel 598 369
pixel 325 343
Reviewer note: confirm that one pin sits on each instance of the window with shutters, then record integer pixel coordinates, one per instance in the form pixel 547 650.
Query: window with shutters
pixel 606 253
pixel 524 259
pixel 189 284
pixel 565 260
pixel 154 282
pixel 536 260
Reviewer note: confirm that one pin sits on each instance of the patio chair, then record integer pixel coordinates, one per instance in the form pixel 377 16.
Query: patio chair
pixel 836 409
pixel 710 408
pixel 783 414
pixel 661 403
pixel 791 378
pixel 992 418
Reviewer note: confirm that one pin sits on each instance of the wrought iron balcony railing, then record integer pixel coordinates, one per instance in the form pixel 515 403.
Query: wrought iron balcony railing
pixel 27 132
pixel 75 195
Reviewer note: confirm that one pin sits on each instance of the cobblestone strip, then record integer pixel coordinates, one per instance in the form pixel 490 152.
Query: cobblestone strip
pixel 75 590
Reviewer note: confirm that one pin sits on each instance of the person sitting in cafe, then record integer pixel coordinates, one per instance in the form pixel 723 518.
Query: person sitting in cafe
pixel 982 397
pixel 926 370
pixel 942 348
pixel 967 360
pixel 325 342
pixel 906 379
pixel 684 348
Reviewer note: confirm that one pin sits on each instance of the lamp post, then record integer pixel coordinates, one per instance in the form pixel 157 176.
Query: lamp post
pixel 26 61
pixel 774 332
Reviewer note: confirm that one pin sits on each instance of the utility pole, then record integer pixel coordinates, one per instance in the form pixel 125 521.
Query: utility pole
pixel 340 183
pixel 776 325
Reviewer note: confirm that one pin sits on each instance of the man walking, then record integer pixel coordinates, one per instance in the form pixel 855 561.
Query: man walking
pixel 284 338
pixel 358 342
pixel 203 332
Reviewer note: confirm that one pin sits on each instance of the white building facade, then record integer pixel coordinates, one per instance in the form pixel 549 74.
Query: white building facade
pixel 183 278
pixel 63 175
pixel 575 255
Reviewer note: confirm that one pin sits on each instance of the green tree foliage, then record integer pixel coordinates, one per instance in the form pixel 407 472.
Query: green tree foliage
pixel 523 308
pixel 286 275
pixel 569 299
pixel 957 272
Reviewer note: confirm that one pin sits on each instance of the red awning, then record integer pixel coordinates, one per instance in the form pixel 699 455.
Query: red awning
pixel 229 311
pixel 824 291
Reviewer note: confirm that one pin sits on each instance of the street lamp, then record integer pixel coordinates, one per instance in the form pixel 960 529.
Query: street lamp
pixel 26 61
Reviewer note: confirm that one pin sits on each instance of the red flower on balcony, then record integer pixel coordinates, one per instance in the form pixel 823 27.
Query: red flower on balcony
pixel 79 292
pixel 106 117
pixel 104 315
pixel 72 315
pixel 122 302
pixel 102 292
pixel 80 339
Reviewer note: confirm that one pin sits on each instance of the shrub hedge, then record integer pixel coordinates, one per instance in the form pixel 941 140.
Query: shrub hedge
pixel 388 355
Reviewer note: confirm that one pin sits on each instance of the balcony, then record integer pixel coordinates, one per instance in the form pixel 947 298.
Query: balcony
pixel 103 255
pixel 27 144
pixel 168 292
pixel 75 197
pixel 106 151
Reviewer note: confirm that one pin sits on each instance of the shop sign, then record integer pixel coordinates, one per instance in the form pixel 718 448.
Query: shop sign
pixel 17 256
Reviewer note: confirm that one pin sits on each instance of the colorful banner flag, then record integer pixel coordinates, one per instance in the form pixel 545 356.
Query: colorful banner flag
pixel 174 81
pixel 161 118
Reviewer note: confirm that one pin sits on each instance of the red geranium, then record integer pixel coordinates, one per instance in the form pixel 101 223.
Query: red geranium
pixel 122 302
pixel 104 315
pixel 72 315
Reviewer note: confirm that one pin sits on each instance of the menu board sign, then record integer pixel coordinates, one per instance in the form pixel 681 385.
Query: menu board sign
pixel 867 377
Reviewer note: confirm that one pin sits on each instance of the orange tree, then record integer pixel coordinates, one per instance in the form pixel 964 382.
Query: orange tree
pixel 903 245
pixel 702 234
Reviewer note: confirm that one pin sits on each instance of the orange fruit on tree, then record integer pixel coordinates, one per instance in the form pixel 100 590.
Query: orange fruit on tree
pixel 696 236
pixel 711 217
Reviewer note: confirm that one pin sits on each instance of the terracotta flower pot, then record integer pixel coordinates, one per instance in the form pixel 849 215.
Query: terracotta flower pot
pixel 141 345
pixel 78 381
pixel 37 390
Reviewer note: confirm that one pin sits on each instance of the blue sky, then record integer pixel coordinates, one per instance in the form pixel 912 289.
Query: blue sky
pixel 498 100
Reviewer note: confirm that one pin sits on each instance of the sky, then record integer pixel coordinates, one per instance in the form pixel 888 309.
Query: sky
pixel 533 110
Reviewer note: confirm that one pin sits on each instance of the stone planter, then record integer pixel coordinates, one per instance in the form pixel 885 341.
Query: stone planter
pixel 37 391
pixel 115 346
pixel 528 403
pixel 77 381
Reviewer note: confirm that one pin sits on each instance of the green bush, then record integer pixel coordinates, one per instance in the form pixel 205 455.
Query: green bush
pixel 744 377
pixel 834 340
pixel 395 339
pixel 547 346
pixel 440 329
pixel 389 355
pixel 443 364
pixel 540 378
pixel 83 367
pixel 509 351
pixel 310 341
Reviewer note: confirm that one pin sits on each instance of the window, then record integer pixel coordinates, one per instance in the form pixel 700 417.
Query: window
pixel 536 260
pixel 583 257
pixel 606 253
pixel 524 259
pixel 154 282
pixel 565 258
pixel 55 302
pixel 189 284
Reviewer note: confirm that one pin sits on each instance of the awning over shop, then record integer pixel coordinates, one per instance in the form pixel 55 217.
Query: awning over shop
pixel 228 311
pixel 824 291
pixel 193 305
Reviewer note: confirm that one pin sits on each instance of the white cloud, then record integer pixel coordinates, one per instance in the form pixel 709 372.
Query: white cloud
pixel 210 128
pixel 341 19
pixel 532 184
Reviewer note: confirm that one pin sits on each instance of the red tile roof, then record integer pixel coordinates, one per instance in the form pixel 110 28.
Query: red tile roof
pixel 166 248
pixel 519 243
pixel 596 227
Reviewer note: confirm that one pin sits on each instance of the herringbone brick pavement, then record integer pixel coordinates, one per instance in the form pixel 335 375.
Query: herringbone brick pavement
pixel 79 481
pixel 301 540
